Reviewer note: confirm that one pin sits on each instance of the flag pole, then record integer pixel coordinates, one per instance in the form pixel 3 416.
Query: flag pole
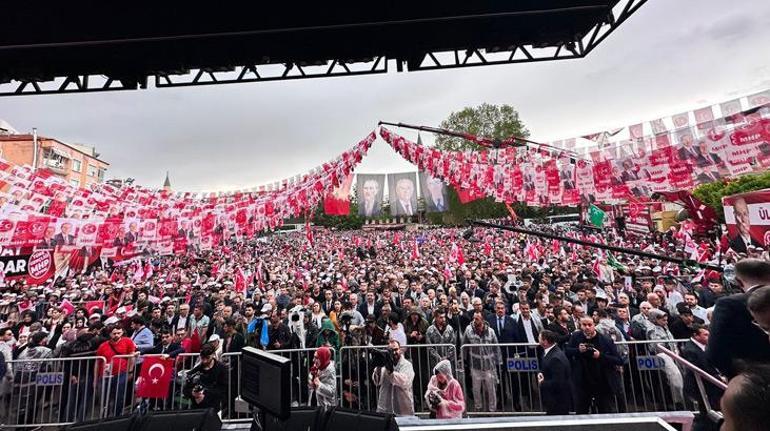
pixel 597 245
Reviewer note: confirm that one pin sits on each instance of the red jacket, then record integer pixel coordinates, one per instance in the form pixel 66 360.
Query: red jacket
pixel 109 350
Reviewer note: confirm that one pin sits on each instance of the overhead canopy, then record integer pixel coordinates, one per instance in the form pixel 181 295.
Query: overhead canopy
pixel 128 44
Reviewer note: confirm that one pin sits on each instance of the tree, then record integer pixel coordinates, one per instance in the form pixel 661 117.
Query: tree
pixel 489 121
pixel 711 194
pixel 485 120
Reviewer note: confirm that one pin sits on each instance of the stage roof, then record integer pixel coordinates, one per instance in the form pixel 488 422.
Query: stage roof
pixel 102 46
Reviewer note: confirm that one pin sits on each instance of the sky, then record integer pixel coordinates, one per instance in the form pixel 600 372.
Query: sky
pixel 670 56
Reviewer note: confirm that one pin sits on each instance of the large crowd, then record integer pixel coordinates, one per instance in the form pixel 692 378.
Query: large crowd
pixel 432 286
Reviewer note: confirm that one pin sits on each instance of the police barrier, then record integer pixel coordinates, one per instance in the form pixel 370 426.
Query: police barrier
pixel 501 377
pixel 301 362
pixel 358 391
pixel 650 380
pixel 50 392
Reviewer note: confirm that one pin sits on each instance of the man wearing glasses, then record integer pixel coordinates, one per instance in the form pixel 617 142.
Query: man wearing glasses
pixel 734 332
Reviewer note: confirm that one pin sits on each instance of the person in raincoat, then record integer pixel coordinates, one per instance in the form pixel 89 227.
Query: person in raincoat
pixel 328 336
pixel 395 394
pixel 322 378
pixel 444 394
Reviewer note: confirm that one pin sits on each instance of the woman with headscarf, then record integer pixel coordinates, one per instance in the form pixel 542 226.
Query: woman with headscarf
pixel 445 395
pixel 323 379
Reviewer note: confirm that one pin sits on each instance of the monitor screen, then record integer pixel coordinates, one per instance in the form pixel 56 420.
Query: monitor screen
pixel 265 381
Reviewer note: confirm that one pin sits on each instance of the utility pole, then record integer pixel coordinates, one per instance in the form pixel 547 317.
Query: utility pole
pixel 34 149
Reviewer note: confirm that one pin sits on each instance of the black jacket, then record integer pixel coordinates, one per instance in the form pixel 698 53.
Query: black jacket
pixel 691 352
pixel 733 336
pixel 555 390
pixel 582 363
pixel 508 334
pixel 171 350
pixel 214 382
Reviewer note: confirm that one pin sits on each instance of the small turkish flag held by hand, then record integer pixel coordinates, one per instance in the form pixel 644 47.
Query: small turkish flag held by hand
pixel 155 377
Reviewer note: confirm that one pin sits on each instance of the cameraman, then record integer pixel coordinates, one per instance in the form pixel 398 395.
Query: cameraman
pixel 395 382
pixel 594 358
pixel 206 383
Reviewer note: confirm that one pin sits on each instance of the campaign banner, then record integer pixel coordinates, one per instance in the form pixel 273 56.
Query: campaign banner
pixel 34 268
pixel 747 216
pixel 434 193
pixel 638 217
pixel 369 190
pixel 402 190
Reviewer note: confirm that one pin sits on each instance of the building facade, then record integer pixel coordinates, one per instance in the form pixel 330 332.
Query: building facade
pixel 78 164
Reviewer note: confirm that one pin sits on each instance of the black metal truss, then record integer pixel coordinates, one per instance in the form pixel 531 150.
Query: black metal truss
pixel 581 46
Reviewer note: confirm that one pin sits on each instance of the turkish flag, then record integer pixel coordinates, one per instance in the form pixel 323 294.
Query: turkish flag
pixel 155 377
pixel 467 195
pixel 93 305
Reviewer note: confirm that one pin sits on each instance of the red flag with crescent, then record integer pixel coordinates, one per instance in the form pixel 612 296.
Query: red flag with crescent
pixel 155 377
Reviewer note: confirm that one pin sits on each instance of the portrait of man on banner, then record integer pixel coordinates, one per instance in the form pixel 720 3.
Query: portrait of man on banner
pixel 403 194
pixel 434 193
pixel 745 225
pixel 369 189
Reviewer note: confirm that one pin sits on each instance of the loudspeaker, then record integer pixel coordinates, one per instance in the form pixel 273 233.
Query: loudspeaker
pixel 187 420
pixel 344 419
pixel 300 419
pixel 122 423
pixel 182 420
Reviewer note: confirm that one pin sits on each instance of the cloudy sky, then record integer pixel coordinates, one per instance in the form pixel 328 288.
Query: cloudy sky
pixel 669 57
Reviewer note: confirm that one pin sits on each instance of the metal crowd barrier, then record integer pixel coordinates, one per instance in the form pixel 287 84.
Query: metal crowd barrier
pixel 646 382
pixel 59 391
pixel 51 392
pixel 357 390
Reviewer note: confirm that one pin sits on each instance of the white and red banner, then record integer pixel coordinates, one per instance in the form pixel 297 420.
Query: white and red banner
pixel 747 216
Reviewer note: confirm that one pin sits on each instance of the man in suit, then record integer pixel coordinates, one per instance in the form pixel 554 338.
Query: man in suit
pixel 406 202
pixel 688 152
pixel 733 334
pixel 435 198
pixel 503 325
pixel 743 240
pixel 694 351
pixel 370 205
pixel 64 237
pixel 567 176
pixel 133 233
pixel 554 377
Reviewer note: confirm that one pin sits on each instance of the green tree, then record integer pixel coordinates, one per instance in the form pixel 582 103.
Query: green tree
pixel 711 194
pixel 485 120
pixel 488 121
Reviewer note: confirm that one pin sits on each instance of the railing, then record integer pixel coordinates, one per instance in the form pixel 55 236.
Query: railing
pixel 51 392
pixel 57 392
pixel 357 390
pixel 707 404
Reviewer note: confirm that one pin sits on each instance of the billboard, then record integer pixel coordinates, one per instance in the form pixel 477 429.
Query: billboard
pixel 747 216
pixel 434 193
pixel 369 190
pixel 402 189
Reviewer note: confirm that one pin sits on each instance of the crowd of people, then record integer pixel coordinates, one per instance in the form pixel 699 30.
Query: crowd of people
pixel 569 306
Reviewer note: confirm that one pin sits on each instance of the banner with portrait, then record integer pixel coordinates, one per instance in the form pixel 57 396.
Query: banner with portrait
pixel 747 216
pixel 369 192
pixel 402 188
pixel 434 193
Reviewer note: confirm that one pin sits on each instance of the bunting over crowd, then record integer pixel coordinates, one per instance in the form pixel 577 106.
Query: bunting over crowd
pixel 46 221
